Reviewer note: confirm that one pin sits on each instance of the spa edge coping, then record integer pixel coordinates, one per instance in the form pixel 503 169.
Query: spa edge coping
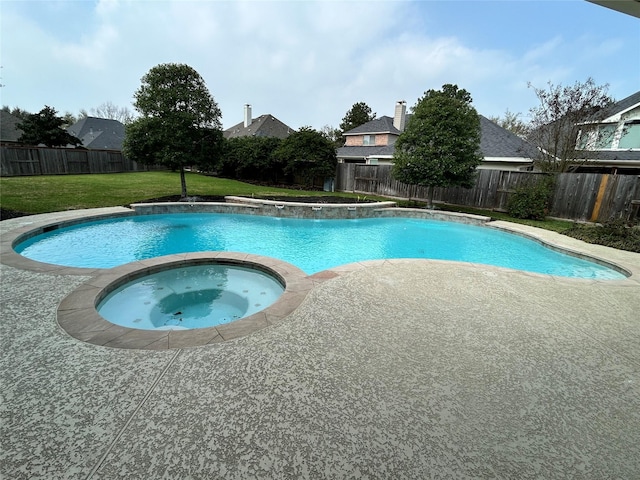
pixel 79 317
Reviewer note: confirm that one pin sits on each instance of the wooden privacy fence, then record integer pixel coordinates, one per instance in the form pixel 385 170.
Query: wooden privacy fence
pixel 16 161
pixel 576 196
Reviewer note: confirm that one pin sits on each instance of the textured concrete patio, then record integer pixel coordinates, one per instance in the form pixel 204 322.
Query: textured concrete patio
pixel 394 369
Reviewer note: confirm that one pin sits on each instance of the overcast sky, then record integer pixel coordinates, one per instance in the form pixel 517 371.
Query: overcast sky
pixel 307 62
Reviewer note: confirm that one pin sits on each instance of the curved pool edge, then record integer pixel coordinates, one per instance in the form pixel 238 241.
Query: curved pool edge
pixel 77 314
pixel 30 226
pixel 19 229
pixel 13 231
pixel 625 262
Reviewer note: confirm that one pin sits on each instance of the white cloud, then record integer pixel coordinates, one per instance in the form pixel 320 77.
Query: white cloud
pixel 305 62
pixel 91 52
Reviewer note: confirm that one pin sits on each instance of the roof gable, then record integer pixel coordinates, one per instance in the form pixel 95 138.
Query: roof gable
pixel 263 126
pixel 99 133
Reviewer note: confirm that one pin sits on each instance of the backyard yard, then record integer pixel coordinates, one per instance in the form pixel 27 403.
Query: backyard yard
pixel 43 194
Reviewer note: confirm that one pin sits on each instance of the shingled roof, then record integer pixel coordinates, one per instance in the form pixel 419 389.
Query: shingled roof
pixel 383 124
pixel 621 106
pixel 9 132
pixel 263 126
pixel 498 142
pixel 99 133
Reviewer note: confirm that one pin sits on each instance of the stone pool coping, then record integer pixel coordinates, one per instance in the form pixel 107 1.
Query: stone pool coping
pixel 78 316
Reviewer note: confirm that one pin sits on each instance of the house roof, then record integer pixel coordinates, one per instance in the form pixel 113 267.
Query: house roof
pixel 9 132
pixel 612 113
pixel 383 124
pixel 611 155
pixel 263 126
pixel 364 152
pixel 623 6
pixel 99 133
pixel 495 141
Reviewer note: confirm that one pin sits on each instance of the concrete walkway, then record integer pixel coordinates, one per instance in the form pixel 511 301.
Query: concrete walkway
pixel 395 369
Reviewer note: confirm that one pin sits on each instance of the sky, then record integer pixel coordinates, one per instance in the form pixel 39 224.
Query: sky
pixel 307 63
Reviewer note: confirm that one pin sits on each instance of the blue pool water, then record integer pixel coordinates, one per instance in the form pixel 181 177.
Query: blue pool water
pixel 311 245
pixel 190 297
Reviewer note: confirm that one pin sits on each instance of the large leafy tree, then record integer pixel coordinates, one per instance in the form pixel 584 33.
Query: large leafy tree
pixel 308 154
pixel 46 127
pixel 562 112
pixel 440 147
pixel 179 123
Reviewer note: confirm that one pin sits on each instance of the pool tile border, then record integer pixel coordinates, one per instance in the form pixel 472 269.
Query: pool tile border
pixel 77 314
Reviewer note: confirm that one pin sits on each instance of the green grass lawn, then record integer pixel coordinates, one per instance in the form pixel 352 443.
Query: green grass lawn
pixel 43 194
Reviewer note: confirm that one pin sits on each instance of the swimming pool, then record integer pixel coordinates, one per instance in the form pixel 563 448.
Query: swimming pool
pixel 311 245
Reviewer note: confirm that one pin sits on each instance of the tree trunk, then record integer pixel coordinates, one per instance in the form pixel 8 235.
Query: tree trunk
pixel 183 183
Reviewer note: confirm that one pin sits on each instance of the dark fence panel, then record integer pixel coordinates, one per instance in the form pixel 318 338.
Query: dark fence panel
pixel 19 161
pixel 577 196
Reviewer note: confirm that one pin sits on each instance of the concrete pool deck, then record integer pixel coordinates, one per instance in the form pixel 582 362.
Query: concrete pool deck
pixel 390 369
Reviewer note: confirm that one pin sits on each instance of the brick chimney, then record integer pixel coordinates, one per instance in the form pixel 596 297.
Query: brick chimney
pixel 400 115
pixel 247 115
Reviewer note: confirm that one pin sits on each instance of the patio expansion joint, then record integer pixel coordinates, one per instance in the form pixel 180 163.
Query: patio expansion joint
pixel 133 415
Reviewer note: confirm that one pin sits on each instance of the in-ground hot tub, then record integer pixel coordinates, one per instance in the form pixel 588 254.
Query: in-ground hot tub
pixel 189 297
pixel 183 300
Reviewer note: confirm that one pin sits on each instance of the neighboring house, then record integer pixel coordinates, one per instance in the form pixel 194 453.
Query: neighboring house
pixel 373 143
pixel 263 126
pixel 9 132
pixel 612 144
pixel 99 133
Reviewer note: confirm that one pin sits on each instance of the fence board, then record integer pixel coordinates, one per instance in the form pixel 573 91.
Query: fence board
pixel 20 161
pixel 574 195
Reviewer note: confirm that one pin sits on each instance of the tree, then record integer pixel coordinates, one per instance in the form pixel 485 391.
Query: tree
pixel 16 112
pixel 512 122
pixel 69 119
pixel 359 114
pixel 251 158
pixel 46 127
pixel 113 112
pixel 308 154
pixel 179 123
pixel 557 120
pixel 440 147
pixel 334 135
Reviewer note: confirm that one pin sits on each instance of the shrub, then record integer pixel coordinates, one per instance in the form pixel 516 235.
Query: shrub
pixel 614 233
pixel 531 200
